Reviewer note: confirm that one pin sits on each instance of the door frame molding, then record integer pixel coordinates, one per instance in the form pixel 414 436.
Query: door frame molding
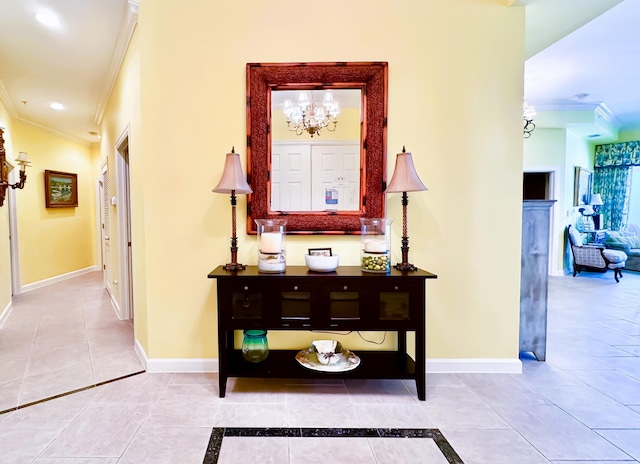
pixel 99 206
pixel 123 214
pixel 14 250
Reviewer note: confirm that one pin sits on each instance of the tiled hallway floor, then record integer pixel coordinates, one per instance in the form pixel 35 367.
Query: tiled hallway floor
pixel 60 338
pixel 580 406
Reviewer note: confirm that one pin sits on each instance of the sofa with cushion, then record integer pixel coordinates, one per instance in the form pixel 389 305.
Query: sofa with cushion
pixel 627 241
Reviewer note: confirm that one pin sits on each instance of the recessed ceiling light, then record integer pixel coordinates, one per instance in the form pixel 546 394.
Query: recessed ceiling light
pixel 48 18
pixel 56 106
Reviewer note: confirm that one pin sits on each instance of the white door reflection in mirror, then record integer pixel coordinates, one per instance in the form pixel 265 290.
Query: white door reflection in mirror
pixel 290 173
pixel 316 170
pixel 315 176
pixel 335 180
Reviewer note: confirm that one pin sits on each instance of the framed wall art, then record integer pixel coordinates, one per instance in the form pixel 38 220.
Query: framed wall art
pixel 582 186
pixel 60 189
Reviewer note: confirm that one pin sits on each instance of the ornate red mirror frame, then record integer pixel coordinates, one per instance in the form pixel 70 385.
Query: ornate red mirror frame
pixel 371 78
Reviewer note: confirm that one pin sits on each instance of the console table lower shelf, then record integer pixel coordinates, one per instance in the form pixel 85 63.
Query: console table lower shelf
pixel 283 364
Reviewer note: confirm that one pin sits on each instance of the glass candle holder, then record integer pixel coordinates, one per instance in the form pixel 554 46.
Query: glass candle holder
pixel 254 345
pixel 271 238
pixel 376 240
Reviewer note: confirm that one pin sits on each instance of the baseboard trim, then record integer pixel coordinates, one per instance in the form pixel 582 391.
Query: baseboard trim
pixel 434 366
pixel 141 354
pixel 474 366
pixel 177 365
pixel 115 305
pixel 56 279
pixel 4 315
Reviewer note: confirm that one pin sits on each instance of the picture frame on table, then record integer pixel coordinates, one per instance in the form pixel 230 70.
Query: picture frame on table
pixel 320 252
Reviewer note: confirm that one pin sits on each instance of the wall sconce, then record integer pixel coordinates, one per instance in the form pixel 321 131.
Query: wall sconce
pixel 233 181
pixel 22 160
pixel 405 179
pixel 528 112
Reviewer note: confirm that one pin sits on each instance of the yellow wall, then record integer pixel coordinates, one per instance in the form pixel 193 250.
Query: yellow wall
pixel 123 116
pixel 455 95
pixel 54 241
pixel 348 128
pixel 628 136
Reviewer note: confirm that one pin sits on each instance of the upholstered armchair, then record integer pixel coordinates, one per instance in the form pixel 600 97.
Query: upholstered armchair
pixel 594 257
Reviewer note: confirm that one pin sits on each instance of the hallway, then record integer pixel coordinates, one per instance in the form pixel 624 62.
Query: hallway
pixel 60 338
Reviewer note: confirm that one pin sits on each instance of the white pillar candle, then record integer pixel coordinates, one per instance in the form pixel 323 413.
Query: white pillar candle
pixel 375 246
pixel 271 242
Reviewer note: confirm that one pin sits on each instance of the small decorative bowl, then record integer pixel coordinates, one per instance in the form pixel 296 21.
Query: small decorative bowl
pixel 328 351
pixel 320 263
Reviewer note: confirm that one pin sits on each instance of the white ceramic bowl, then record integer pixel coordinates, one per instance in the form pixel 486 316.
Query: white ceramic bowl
pixel 320 263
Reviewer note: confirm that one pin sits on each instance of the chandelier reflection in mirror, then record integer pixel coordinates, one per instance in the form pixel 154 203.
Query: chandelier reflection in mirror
pixel 22 160
pixel 528 112
pixel 309 117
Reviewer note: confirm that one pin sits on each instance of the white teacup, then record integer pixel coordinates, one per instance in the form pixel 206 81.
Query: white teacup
pixel 328 351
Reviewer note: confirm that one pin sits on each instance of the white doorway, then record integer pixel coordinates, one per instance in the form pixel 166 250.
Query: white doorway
pixel 123 209
pixel 546 186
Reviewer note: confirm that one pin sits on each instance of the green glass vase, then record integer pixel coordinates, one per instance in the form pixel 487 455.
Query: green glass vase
pixel 255 348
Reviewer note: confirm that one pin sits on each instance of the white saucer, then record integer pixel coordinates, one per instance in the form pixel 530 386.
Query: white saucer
pixel 348 361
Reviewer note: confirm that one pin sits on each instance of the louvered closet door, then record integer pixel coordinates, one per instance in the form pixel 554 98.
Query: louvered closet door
pixel 106 229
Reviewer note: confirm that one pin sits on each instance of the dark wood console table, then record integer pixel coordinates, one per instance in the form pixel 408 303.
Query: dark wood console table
pixel 343 300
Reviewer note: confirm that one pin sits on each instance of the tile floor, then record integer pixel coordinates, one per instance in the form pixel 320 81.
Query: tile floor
pixel 580 406
pixel 60 338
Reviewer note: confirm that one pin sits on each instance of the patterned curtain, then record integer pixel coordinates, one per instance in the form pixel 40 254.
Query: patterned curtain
pixel 618 154
pixel 614 185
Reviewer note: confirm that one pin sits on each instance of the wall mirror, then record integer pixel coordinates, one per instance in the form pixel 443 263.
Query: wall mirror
pixel 316 144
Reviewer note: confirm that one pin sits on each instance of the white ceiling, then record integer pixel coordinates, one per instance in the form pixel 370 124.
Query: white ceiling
pixel 76 64
pixel 596 65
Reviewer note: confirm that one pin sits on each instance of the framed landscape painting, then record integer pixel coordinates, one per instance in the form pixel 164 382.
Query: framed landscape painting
pixel 60 189
pixel 582 187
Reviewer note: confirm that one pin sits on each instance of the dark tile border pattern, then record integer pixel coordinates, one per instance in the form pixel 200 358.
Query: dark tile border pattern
pixel 88 387
pixel 218 433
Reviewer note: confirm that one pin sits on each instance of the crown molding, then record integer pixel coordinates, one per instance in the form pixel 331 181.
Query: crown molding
pixel 564 105
pixel 604 111
pixel 7 102
pixel 128 25
pixel 66 135
pixel 598 107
